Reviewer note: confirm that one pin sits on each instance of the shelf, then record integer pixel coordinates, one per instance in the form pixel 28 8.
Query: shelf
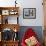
pixel 7 16
pixel 10 19
pixel 4 8
pixel 11 41
pixel 9 10
pixel 10 26
pixel 6 12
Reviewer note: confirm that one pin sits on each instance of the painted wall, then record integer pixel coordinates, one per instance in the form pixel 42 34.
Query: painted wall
pixel 27 4
pixel 39 13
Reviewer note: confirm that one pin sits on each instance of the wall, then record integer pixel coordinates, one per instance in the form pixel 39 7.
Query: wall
pixel 39 13
pixel 27 4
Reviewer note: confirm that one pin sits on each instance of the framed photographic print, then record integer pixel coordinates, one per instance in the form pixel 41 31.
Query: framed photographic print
pixel 5 12
pixel 29 13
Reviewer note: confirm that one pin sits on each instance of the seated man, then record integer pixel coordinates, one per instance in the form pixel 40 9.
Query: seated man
pixel 30 39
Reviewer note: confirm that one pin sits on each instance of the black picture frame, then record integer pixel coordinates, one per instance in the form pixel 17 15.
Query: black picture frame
pixel 29 13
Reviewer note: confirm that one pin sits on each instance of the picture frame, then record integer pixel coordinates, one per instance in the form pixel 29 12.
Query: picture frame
pixel 5 12
pixel 29 13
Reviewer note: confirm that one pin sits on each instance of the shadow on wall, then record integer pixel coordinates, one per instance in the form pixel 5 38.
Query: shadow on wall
pixel 37 29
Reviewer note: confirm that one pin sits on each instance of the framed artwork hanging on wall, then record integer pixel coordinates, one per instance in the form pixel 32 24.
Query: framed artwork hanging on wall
pixel 29 13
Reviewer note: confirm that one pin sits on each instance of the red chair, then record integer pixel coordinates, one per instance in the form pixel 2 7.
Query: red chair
pixel 29 33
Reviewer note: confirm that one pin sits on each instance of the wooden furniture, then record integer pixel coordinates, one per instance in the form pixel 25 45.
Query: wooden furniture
pixel 11 26
pixel 5 13
pixel 10 43
pixel 0 43
pixel 44 9
pixel 45 37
